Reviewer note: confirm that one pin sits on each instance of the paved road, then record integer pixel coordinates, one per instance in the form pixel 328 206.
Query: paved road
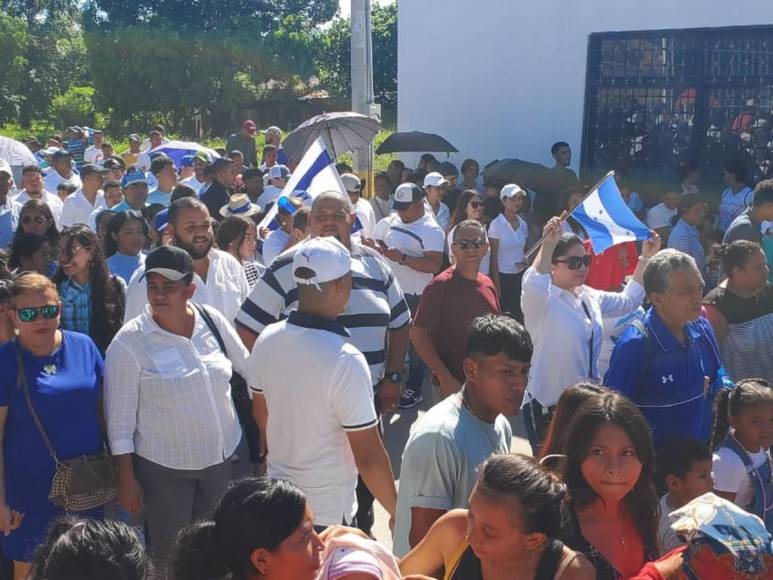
pixel 396 431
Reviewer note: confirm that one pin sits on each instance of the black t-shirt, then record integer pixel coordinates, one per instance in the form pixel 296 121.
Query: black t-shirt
pixel 738 310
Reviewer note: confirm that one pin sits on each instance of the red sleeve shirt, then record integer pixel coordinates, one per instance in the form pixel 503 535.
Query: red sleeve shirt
pixel 447 308
pixel 607 270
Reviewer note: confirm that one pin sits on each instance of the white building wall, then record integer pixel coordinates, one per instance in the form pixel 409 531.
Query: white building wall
pixel 506 78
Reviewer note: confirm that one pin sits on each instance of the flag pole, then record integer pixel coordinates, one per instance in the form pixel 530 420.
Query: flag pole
pixel 565 214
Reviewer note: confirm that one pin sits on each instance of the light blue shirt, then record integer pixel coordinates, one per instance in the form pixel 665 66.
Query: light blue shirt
pixel 124 266
pixel 123 206
pixel 686 238
pixel 158 196
pixel 9 221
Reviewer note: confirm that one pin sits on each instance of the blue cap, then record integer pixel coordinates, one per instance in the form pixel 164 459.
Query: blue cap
pixel 161 220
pixel 186 161
pixel 134 175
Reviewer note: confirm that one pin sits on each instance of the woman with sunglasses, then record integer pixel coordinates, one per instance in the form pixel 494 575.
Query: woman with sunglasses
pixel 507 235
pixel 93 300
pixel 36 218
pixel 564 318
pixel 469 206
pixel 63 375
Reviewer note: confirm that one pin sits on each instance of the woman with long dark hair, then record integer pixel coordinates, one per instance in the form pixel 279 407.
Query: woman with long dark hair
pixel 92 299
pixel 126 236
pixel 36 218
pixel 611 509
pixel 238 236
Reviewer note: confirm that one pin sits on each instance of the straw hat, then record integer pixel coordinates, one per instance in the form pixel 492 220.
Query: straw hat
pixel 239 204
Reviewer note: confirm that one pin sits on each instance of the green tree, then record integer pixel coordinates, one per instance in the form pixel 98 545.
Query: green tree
pixel 334 59
pixel 13 46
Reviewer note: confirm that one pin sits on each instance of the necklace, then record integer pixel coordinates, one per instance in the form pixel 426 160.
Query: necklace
pixel 466 405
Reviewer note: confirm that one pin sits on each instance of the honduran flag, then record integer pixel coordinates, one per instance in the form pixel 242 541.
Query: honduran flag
pixel 607 218
pixel 315 174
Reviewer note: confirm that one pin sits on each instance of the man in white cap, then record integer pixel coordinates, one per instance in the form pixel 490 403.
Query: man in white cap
pixel 278 176
pixel 435 186
pixel 413 242
pixel 321 444
pixel 362 208
pixel 9 209
pixel 273 136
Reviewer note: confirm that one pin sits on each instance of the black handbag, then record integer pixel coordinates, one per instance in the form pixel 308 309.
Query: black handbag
pixel 81 483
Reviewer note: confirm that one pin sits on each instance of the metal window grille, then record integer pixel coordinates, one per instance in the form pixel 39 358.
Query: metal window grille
pixel 657 98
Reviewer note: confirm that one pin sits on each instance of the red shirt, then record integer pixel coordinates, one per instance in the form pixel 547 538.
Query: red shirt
pixel 447 308
pixel 607 271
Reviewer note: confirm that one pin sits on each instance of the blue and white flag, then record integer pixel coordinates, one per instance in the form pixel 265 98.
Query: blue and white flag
pixel 607 218
pixel 315 174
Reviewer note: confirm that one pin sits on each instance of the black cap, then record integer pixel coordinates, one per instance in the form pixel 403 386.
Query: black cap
pixel 113 163
pixel 251 172
pixel 60 154
pixel 171 262
pixel 90 168
pixel 447 168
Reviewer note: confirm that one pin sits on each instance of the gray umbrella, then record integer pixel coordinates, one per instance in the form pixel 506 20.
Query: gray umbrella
pixel 415 142
pixel 342 132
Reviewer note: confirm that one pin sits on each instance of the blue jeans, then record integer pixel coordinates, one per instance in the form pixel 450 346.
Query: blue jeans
pixel 416 366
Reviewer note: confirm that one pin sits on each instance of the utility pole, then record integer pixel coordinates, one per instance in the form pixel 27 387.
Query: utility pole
pixel 362 83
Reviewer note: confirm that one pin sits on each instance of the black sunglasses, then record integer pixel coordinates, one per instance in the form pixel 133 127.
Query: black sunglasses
pixel 575 262
pixel 470 244
pixel 28 219
pixel 474 204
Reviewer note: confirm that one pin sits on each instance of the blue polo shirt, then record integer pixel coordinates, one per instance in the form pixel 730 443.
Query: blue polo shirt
pixel 666 378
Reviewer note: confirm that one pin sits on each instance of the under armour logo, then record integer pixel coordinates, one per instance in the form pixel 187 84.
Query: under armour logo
pixel 667 379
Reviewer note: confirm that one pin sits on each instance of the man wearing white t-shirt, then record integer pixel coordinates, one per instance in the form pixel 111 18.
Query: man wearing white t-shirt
pixel 362 207
pixel 322 444
pixel 79 205
pixel 60 170
pixel 660 216
pixel 198 179
pixel 435 186
pixel 32 184
pixel 413 242
pixel 93 153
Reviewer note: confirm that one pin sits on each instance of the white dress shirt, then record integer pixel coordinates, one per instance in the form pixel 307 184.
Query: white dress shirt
pixel 168 397
pixel 225 289
pixel 561 331
pixel 76 209
pixel 53 179
pixel 52 201
pixel 367 218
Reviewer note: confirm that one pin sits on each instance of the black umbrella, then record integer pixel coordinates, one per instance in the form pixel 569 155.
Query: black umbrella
pixel 415 142
pixel 530 175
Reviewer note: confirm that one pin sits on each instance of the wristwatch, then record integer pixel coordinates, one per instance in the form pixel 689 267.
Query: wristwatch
pixel 394 377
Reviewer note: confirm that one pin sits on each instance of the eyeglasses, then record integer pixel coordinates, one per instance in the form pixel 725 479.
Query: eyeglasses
pixel 474 204
pixel 28 219
pixel 470 244
pixel 575 262
pixel 48 312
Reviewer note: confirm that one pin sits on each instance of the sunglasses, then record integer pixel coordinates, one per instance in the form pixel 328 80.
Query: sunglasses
pixel 470 244
pixel 48 312
pixel 474 204
pixel 28 219
pixel 575 262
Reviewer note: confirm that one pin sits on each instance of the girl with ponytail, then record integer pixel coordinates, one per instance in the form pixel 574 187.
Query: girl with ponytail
pixel 741 439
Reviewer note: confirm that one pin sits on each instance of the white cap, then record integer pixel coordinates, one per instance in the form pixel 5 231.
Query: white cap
pixel 5 168
pixel 326 257
pixel 435 179
pixel 351 182
pixel 510 190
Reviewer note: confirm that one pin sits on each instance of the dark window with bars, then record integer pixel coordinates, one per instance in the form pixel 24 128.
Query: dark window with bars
pixel 657 98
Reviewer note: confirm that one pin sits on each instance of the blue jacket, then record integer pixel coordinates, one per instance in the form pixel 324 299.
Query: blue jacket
pixel 666 378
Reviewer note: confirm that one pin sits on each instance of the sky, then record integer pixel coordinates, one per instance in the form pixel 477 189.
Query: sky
pixel 345 5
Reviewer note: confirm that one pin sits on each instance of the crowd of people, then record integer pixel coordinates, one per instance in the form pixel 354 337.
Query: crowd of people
pixel 153 334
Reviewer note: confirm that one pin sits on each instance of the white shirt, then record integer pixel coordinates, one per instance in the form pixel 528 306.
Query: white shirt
pixel 53 179
pixel 143 160
pixel 660 216
pixel 168 398
pixel 561 331
pixel 730 475
pixel 76 209
pixel 413 239
pixel 443 215
pixel 93 154
pixel 225 289
pixel 511 243
pixel 485 263
pixel 52 201
pixel 367 217
pixel 274 244
pixel 270 194
pixel 193 183
pixel 311 406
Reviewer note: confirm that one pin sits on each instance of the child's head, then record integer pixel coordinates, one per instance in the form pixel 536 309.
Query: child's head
pixel 747 408
pixel 127 233
pixel 684 469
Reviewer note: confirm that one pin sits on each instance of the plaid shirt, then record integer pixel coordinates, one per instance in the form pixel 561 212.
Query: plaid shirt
pixel 76 306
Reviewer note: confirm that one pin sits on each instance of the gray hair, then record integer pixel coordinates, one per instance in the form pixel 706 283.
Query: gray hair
pixel 469 224
pixel 660 267
pixel 335 195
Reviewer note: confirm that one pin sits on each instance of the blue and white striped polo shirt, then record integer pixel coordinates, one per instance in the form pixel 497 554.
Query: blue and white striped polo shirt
pixel 376 305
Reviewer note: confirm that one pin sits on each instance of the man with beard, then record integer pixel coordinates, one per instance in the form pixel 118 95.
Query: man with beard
pixel 219 277
pixel 376 315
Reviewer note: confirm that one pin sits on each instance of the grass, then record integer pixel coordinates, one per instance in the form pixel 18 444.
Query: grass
pixel 121 142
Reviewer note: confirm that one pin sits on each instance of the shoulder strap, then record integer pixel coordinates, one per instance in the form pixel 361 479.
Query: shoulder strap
pixel 211 324
pixel 21 381
pixel 550 560
pixel 639 325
